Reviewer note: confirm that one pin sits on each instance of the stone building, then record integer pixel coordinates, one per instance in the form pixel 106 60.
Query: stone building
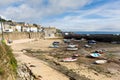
pixel 49 32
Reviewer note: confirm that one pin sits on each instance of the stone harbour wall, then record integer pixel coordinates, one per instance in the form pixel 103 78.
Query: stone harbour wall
pixel 22 35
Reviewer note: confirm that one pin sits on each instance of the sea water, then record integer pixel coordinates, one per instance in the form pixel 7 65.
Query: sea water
pixel 96 32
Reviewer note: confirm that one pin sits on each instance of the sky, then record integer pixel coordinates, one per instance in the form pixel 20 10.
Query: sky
pixel 67 15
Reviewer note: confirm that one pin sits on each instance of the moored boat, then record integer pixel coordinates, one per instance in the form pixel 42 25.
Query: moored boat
pixel 72 49
pixel 100 61
pixel 95 55
pixel 69 59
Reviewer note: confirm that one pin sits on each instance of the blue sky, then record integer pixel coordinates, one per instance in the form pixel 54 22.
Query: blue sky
pixel 68 15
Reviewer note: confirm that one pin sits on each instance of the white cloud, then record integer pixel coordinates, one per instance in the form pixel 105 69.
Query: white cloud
pixel 110 22
pixel 36 10
pixel 79 23
pixel 70 4
pixel 7 2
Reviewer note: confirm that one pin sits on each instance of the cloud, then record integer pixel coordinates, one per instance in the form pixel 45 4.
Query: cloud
pixel 107 19
pixel 38 8
pixel 65 14
pixel 68 4
pixel 6 2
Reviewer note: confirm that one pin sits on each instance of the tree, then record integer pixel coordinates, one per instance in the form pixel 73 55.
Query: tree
pixel 59 31
pixel 9 21
pixel 3 20
pixel 35 25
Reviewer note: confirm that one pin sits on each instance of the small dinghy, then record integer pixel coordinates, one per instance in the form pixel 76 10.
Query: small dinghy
pixel 69 59
pixel 100 61
pixel 53 46
pixel 87 46
pixel 72 49
pixel 95 55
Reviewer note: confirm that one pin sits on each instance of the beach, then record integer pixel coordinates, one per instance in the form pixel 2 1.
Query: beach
pixel 41 68
pixel 82 67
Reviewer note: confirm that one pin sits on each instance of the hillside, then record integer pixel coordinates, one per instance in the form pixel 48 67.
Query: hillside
pixel 8 63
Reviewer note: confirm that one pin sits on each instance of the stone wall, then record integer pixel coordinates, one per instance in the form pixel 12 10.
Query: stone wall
pixel 22 35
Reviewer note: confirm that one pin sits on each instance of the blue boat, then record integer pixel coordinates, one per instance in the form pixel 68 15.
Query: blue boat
pixel 95 55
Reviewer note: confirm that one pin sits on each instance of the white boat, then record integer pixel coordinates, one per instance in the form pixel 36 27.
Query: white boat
pixel 53 46
pixel 71 46
pixel 95 55
pixel 101 61
pixel 69 59
pixel 72 49
pixel 87 46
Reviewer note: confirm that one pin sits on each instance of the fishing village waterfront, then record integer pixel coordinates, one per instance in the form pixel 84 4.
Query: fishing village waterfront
pixel 47 63
pixel 60 40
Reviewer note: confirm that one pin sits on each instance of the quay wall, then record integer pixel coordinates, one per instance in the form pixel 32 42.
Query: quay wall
pixel 97 37
pixel 22 35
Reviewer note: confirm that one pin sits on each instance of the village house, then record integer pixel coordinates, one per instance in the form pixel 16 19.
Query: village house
pixel 25 27
pixel 32 28
pixel 49 32
pixel 18 28
pixel 39 28
pixel 8 26
pixel 21 26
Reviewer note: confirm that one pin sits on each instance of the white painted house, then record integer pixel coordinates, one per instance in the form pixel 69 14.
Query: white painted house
pixel 33 29
pixel 18 28
pixel 8 27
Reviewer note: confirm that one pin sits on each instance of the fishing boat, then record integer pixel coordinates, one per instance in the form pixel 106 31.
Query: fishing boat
pixel 100 61
pixel 72 47
pixel 70 59
pixel 95 55
pixel 87 46
pixel 53 46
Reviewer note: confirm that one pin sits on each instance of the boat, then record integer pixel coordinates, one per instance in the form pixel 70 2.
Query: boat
pixel 66 40
pixel 56 43
pixel 95 55
pixel 72 49
pixel 72 46
pixel 87 46
pixel 70 59
pixel 53 46
pixel 91 42
pixel 100 61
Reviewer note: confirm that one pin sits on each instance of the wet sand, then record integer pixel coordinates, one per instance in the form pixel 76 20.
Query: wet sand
pixel 41 68
pixel 43 45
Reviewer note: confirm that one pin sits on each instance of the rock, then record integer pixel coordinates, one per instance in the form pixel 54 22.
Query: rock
pixel 25 73
pixel 32 66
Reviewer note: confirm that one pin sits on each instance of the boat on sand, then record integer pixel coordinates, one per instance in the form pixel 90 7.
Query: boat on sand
pixel 100 61
pixel 70 59
pixel 95 55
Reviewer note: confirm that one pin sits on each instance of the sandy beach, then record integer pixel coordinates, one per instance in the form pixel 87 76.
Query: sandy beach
pixel 43 69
